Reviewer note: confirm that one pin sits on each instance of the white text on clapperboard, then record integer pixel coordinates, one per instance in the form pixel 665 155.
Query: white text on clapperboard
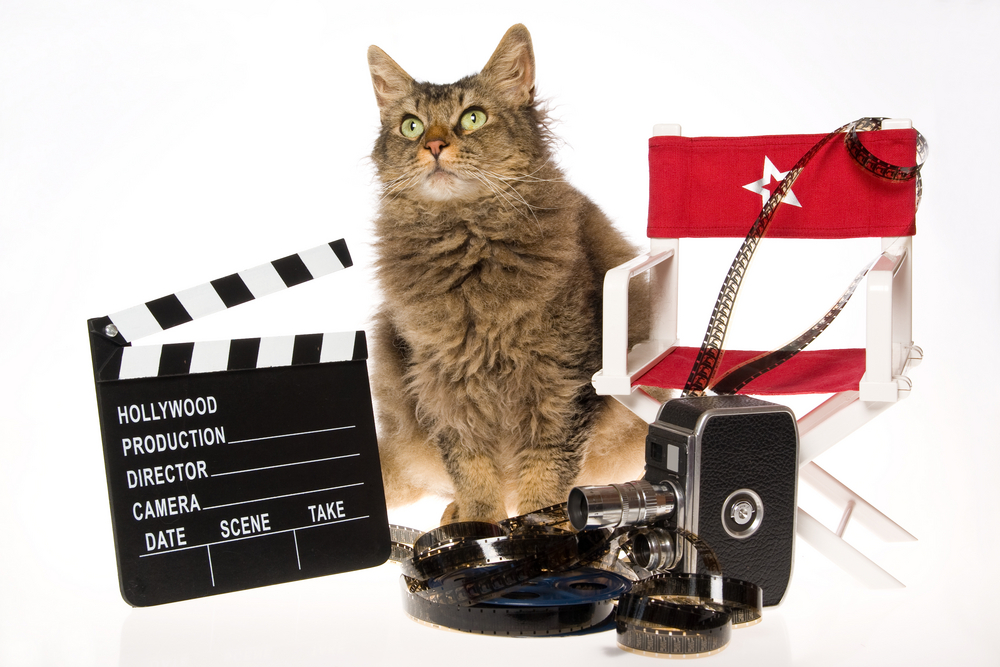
pixel 187 471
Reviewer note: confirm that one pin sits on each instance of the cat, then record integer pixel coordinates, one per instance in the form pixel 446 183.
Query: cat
pixel 491 268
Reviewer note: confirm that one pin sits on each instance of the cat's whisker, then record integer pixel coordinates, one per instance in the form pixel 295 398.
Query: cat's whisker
pixel 526 178
pixel 507 193
pixel 483 177
pixel 515 192
pixel 394 181
pixel 397 190
pixel 398 185
pixel 503 198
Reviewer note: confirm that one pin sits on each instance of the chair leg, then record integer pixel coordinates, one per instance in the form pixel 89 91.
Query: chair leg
pixel 832 421
pixel 832 544
pixel 845 518
pixel 843 554
pixel 827 424
pixel 856 506
pixel 642 404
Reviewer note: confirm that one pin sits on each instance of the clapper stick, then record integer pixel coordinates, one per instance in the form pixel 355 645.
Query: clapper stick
pixel 239 463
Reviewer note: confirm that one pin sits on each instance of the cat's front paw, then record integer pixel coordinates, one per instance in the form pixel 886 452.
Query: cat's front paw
pixel 472 511
pixel 451 514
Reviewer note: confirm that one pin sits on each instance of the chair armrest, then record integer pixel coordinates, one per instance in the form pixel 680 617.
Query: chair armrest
pixel 620 366
pixel 888 345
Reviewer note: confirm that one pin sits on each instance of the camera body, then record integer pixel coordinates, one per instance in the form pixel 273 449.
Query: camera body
pixel 724 468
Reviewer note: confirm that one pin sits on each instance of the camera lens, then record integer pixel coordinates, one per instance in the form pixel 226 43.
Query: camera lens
pixel 631 503
pixel 578 508
pixel 653 549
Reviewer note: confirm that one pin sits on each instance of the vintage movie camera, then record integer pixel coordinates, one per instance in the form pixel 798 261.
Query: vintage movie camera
pixel 721 467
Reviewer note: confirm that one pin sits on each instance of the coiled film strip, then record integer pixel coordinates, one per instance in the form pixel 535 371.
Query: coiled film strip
pixel 532 576
pixel 689 615
pixel 743 374
pixel 525 577
pixel 702 375
pixel 566 603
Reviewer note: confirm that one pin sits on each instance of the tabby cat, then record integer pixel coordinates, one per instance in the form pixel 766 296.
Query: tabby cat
pixel 491 267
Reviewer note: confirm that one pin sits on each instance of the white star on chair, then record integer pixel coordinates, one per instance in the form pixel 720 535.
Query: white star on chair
pixel 761 186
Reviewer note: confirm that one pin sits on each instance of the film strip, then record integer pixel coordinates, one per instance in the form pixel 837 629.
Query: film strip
pixel 884 169
pixel 570 602
pixel 492 566
pixel 743 374
pixel 533 576
pixel 706 364
pixel 689 615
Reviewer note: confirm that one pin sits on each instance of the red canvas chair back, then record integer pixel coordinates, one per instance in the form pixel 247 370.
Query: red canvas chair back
pixel 716 186
pixel 711 187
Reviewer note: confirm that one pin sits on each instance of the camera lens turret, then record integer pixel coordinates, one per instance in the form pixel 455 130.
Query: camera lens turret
pixel 632 503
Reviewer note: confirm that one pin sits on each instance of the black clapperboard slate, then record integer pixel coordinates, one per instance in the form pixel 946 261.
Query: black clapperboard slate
pixel 240 463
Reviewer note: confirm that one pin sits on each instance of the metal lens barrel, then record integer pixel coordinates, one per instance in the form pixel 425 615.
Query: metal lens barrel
pixel 654 549
pixel 632 504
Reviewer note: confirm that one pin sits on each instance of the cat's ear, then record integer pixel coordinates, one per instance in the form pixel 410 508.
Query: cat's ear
pixel 390 81
pixel 511 68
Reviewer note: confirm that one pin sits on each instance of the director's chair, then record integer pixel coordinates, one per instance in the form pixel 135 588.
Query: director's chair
pixel 715 187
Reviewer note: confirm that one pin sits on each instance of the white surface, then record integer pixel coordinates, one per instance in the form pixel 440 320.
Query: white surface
pixel 146 147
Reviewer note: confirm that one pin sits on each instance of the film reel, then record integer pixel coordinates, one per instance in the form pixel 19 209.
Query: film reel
pixel 538 578
pixel 514 579
pixel 497 565
pixel 566 603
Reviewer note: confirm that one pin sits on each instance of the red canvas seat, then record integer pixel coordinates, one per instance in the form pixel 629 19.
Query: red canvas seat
pixel 716 187
pixel 809 372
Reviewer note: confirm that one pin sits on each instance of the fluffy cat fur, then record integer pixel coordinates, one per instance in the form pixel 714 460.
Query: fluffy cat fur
pixel 491 267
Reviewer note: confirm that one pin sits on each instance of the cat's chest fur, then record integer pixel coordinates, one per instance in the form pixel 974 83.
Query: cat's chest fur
pixel 473 291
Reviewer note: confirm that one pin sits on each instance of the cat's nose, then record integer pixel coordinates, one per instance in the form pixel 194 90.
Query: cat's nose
pixel 435 147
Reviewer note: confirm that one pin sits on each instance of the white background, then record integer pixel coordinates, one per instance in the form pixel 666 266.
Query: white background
pixel 147 147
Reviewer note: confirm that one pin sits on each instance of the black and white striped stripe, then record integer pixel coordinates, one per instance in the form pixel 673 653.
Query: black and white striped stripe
pixel 191 304
pixel 128 362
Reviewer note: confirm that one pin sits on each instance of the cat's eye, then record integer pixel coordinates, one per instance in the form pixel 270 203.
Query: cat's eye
pixel 472 119
pixel 412 127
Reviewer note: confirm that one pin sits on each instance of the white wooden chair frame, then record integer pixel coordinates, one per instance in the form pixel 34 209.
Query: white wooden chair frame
pixel 889 354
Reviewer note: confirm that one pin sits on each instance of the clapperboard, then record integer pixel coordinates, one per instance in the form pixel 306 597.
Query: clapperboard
pixel 239 463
